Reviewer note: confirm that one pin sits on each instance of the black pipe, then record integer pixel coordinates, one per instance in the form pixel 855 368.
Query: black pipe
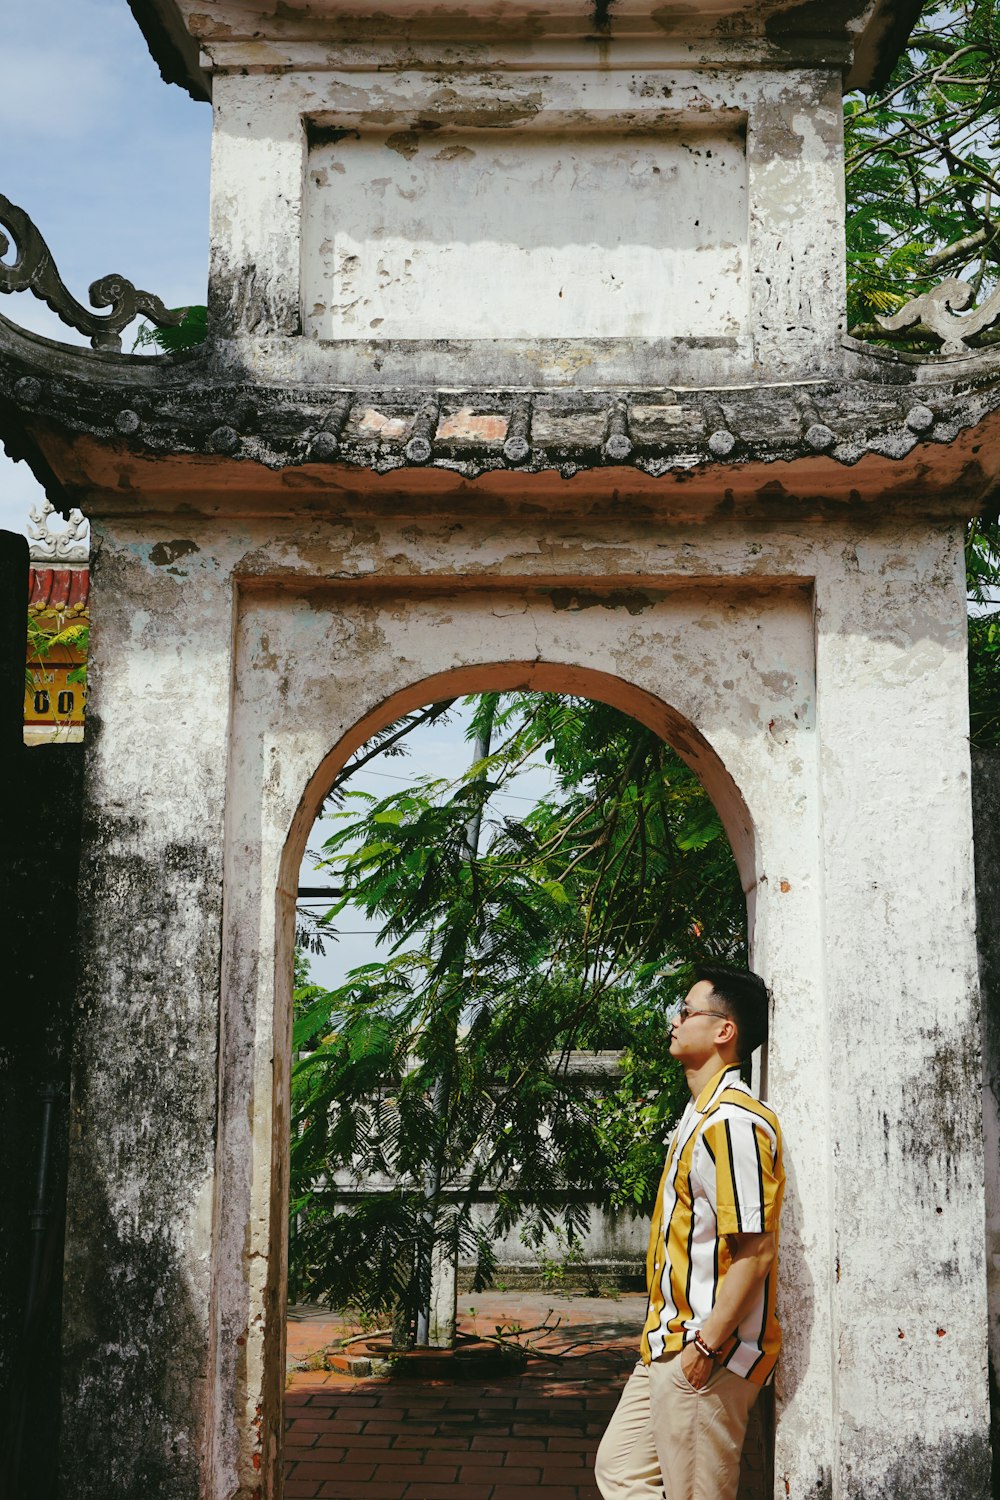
pixel 39 1219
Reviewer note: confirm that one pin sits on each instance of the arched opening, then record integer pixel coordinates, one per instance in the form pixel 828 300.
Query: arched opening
pixel 664 722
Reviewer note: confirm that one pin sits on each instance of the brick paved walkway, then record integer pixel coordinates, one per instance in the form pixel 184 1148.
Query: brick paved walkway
pixel 410 1439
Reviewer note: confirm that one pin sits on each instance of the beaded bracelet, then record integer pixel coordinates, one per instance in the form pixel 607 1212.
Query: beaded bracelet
pixel 702 1347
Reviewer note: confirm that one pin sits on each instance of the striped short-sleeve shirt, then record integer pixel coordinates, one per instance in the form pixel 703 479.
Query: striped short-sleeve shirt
pixel 723 1175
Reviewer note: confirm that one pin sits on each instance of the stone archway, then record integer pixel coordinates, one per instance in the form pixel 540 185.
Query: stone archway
pixel 290 733
pixel 796 653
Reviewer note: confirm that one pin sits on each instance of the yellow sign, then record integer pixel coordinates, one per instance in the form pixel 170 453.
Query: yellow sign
pixel 52 698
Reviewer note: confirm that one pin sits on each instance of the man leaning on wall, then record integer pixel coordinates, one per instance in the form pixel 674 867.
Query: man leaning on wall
pixel 711 1338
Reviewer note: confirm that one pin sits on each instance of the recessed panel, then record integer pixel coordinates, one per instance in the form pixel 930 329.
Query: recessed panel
pixel 526 234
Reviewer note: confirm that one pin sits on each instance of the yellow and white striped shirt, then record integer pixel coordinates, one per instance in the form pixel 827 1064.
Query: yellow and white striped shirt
pixel 723 1175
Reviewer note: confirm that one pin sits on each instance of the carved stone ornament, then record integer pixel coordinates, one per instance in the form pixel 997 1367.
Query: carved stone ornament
pixel 71 545
pixel 34 270
pixel 936 310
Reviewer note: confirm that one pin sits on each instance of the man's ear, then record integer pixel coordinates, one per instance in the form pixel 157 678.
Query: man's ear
pixel 729 1027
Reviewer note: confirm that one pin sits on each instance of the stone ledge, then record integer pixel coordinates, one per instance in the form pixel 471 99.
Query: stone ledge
pixel 193 423
pixel 658 432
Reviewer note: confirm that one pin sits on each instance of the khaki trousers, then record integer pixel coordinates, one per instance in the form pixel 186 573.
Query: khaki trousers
pixel 667 1441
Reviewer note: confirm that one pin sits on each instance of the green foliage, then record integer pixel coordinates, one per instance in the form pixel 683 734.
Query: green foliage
pixel 923 173
pixel 923 203
pixel 192 330
pixel 982 567
pixel 572 928
pixel 984 680
pixel 43 638
pixel 558 1256
pixel 982 558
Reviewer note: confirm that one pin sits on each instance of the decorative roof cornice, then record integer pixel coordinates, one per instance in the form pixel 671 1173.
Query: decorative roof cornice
pixel 179 407
pixel 173 423
pixel 874 30
pixel 942 312
pixel 59 589
pixel 171 46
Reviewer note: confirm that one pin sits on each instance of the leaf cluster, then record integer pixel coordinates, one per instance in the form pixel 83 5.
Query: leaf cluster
pixel 984 680
pixel 922 166
pixel 43 637
pixel 982 567
pixel 191 331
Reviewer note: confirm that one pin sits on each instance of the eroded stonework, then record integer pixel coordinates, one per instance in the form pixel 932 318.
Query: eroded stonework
pixel 760 441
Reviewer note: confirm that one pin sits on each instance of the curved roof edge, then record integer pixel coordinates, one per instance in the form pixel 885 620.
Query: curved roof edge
pixel 172 47
pixel 89 422
pixel 877 49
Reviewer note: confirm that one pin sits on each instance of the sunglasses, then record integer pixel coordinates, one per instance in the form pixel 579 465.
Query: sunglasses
pixel 683 1011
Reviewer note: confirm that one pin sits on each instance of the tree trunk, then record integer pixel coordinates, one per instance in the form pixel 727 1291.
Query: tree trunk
pixel 437 1264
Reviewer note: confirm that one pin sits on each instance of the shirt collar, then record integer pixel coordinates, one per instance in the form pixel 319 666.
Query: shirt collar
pixel 720 1081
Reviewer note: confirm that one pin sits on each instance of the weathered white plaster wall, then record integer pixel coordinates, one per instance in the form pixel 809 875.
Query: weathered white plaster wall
pixel 466 233
pixel 468 213
pixel 900 974
pixel 784 662
pixel 763 651
pixel 986 820
pixel 139 1234
pixel 611 1246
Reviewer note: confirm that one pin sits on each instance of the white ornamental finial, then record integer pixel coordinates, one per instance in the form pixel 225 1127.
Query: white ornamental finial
pixel 71 545
pixel 938 311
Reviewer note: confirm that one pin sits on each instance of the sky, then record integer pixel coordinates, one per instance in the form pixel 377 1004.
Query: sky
pixel 110 163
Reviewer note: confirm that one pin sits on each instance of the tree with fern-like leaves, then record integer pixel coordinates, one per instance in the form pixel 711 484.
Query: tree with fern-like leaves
pixel 922 168
pixel 441 1072
pixel 923 203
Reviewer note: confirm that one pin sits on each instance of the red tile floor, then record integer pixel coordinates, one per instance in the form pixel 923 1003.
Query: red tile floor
pixel 405 1438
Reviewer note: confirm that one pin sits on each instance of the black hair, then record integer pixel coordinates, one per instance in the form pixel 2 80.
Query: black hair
pixel 744 997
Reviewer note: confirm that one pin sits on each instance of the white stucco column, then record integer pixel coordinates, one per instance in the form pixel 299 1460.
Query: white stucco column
pixel 899 977
pixel 137 1303
pixel 786 948
pixel 258 158
pixel 795 158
